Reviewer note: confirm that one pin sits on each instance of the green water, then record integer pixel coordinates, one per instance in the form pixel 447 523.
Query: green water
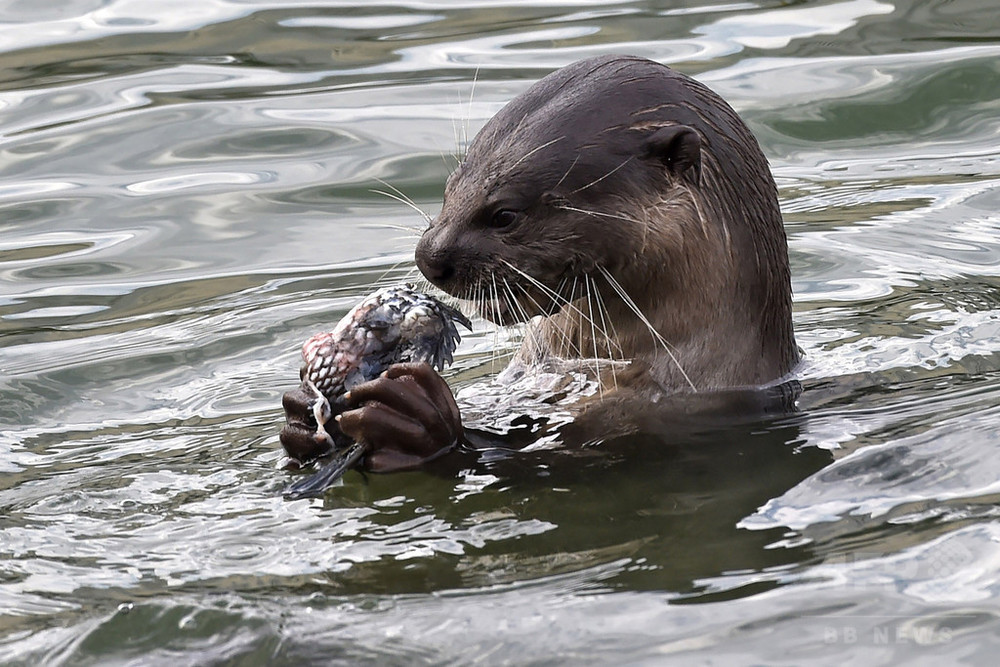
pixel 190 189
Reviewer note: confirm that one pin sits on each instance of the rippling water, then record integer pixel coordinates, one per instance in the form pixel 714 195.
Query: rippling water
pixel 190 189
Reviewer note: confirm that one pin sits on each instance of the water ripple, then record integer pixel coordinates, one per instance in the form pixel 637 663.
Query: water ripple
pixel 188 193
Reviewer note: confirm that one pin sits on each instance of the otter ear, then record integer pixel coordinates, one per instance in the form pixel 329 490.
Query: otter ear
pixel 678 147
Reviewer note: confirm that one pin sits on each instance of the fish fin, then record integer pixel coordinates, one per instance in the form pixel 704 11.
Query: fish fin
pixel 327 476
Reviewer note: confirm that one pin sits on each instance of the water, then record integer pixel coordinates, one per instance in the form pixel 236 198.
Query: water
pixel 187 191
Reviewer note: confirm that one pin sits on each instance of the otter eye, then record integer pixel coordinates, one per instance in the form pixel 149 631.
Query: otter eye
pixel 505 217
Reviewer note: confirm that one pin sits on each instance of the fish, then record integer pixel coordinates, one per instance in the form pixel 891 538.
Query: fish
pixel 392 325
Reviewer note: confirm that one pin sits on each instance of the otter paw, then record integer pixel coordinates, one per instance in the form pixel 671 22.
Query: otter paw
pixel 300 437
pixel 406 417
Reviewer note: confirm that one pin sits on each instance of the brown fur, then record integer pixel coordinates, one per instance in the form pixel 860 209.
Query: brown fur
pixel 622 166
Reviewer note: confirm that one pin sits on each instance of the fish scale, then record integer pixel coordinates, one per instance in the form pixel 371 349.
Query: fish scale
pixel 392 325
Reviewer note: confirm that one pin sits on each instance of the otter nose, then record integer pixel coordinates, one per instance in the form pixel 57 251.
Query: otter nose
pixel 436 264
pixel 436 269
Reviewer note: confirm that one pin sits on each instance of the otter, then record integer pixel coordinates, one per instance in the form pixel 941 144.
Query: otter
pixel 614 181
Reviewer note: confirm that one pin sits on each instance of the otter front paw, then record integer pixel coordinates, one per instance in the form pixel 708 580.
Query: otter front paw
pixel 302 437
pixel 406 417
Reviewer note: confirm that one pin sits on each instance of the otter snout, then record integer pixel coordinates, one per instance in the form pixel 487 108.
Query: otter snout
pixel 435 261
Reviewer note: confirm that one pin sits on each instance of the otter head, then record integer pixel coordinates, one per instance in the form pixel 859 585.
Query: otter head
pixel 615 172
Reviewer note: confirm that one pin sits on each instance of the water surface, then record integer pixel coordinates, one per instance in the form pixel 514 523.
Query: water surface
pixel 190 189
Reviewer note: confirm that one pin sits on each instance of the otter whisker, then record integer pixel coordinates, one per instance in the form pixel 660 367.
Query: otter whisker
pixel 568 169
pixel 384 281
pixel 564 339
pixel 472 96
pixel 607 327
pixel 444 160
pixel 652 330
pixel 402 199
pixel 607 339
pixel 599 214
pixel 408 239
pixel 532 152
pixel 531 332
pixel 406 198
pixel 510 299
pixel 555 295
pixel 458 139
pixel 595 182
pixel 610 340
pixel 560 287
pixel 578 348
pixel 425 284
pixel 566 345
pixel 565 332
pixel 484 305
pixel 503 292
pixel 526 327
pixel 525 317
pixel 593 333
pixel 482 292
pixel 494 305
pixel 414 276
pixel 514 302
pixel 412 232
pixel 600 328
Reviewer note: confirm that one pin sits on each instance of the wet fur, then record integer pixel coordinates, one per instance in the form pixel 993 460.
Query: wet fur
pixel 640 197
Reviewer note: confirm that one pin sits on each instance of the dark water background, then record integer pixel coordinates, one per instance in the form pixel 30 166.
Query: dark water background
pixel 186 193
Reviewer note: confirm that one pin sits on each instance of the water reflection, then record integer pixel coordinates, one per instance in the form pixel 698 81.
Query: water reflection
pixel 675 501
